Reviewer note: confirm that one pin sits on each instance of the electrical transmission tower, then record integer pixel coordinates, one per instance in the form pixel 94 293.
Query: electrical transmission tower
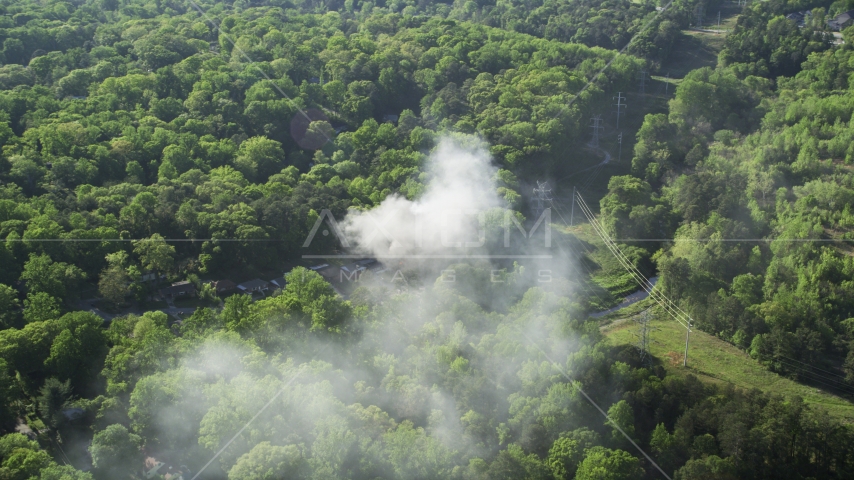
pixel 719 18
pixel 541 194
pixel 597 129
pixel 642 82
pixel 620 142
pixel 701 13
pixel 643 332
pixel 666 304
pixel 667 83
pixel 620 98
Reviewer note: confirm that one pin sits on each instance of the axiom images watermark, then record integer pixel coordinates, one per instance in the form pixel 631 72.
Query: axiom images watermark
pixel 445 276
pixel 450 233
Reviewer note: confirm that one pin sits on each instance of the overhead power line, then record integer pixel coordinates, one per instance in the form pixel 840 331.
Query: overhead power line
pixel 821 379
pixel 668 305
pixel 678 314
pixel 620 105
pixel 811 366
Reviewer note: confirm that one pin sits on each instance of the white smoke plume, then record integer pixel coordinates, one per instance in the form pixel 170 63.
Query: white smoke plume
pixel 444 219
pixel 445 359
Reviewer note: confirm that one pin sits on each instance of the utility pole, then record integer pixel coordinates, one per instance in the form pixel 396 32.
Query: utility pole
pixel 597 127
pixel 541 194
pixel 572 212
pixel 619 104
pixel 687 334
pixel 642 82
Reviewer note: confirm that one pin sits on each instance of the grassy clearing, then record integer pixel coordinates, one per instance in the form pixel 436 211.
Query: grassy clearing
pixel 713 360
pixel 604 269
pixel 729 16
pixel 700 49
pixel 694 50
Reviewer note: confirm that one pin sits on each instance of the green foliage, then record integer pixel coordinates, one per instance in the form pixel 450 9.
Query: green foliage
pixel 259 157
pixel 77 351
pixel 630 210
pixel 56 279
pixel 138 121
pixel 268 462
pixel 205 320
pixel 514 463
pixel 307 293
pixel 622 422
pixel 116 452
pixel 130 125
pixel 711 467
pixel 140 346
pixel 235 312
pixel 714 97
pixel 9 307
pixel 53 399
pixel 765 43
pixel 568 451
pixel 740 158
pixel 603 463
pixel 40 307
pixel 154 253
pixel 22 458
pixel 114 283
pixel 208 294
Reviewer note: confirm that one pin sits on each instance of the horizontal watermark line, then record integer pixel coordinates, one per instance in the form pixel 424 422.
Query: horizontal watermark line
pixel 827 240
pixel 12 240
pixel 269 240
pixel 427 256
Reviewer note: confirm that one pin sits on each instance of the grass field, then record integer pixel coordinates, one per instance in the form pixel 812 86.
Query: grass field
pixel 700 49
pixel 713 360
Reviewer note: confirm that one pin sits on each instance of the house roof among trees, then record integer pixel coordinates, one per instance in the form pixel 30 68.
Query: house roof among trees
pixel 223 285
pixel 254 284
pixel 178 288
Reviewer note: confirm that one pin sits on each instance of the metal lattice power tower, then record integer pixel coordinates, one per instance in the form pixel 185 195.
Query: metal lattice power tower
pixel 643 334
pixel 642 82
pixel 541 194
pixel 620 105
pixel 597 129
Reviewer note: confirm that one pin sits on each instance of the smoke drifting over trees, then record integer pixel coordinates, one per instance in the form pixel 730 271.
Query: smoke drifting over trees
pixel 146 144
pixel 422 378
pixel 460 193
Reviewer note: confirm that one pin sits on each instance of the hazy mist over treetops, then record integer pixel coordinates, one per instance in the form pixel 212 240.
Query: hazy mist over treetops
pixel 473 240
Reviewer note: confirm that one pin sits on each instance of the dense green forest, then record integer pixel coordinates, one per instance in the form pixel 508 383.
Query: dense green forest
pixel 746 154
pixel 202 140
pixel 167 131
